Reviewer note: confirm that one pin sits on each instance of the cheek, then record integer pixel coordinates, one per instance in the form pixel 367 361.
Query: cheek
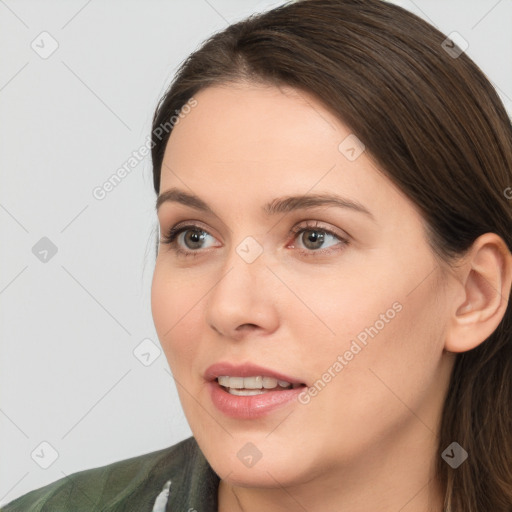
pixel 391 342
pixel 343 304
pixel 175 306
pixel 388 323
pixel 381 292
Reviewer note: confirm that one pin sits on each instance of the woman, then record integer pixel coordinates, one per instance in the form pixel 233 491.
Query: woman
pixel 333 274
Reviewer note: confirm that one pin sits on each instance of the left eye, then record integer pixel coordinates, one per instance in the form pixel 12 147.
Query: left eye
pixel 314 238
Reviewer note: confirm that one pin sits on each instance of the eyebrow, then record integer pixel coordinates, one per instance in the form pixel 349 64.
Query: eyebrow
pixel 279 205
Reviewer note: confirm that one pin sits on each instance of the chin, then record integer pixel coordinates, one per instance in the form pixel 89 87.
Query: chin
pixel 270 473
pixel 255 459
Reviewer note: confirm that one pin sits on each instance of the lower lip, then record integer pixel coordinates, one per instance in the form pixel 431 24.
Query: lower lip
pixel 252 406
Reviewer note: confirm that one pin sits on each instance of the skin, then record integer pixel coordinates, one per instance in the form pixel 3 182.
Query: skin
pixel 367 441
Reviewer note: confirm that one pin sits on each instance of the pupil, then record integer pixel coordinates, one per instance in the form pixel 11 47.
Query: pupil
pixel 195 236
pixel 314 237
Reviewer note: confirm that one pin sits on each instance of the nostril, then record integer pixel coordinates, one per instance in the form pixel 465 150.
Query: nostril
pixel 246 327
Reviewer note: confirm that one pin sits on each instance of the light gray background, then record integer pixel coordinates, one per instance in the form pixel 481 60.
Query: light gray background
pixel 69 326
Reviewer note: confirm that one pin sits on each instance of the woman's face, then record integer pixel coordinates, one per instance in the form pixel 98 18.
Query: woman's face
pixel 343 302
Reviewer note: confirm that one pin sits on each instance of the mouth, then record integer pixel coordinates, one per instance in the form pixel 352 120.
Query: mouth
pixel 256 385
pixel 248 391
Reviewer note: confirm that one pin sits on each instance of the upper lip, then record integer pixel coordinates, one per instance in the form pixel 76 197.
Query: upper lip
pixel 245 370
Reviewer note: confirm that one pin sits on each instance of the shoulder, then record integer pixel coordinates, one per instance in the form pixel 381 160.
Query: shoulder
pixel 136 481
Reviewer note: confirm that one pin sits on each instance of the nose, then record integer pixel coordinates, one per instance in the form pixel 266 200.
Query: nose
pixel 243 300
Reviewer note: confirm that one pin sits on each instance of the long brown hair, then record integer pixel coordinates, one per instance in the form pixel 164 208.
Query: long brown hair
pixel 436 128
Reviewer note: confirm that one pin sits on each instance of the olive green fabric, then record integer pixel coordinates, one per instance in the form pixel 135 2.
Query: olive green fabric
pixel 131 485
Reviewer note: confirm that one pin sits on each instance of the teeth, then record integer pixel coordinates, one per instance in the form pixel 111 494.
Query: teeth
pixel 236 382
pixel 251 383
pixel 269 382
pixel 245 392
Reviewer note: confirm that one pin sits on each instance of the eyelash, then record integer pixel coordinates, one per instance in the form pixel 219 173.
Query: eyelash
pixel 172 235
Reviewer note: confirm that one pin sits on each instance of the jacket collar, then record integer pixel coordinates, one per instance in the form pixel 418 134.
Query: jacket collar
pixel 195 486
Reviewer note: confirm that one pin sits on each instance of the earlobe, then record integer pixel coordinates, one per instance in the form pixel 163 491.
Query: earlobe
pixel 484 291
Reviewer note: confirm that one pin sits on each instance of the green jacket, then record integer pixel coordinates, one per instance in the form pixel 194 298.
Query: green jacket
pixel 132 485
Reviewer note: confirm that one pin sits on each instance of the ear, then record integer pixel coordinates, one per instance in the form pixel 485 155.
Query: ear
pixel 482 293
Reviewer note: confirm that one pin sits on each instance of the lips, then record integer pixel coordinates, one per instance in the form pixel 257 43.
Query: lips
pixel 249 391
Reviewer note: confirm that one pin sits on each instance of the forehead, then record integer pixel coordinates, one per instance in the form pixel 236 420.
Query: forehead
pixel 239 120
pixel 262 142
